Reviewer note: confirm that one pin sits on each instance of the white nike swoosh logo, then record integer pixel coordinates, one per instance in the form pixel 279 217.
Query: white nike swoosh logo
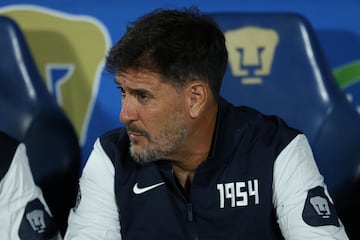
pixel 139 190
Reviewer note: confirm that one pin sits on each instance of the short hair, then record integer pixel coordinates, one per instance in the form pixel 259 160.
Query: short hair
pixel 180 45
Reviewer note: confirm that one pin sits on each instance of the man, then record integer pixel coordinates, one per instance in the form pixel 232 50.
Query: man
pixel 188 164
pixel 24 213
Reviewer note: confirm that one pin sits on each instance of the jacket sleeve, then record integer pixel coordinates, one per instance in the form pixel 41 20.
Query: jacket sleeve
pixel 95 215
pixel 302 202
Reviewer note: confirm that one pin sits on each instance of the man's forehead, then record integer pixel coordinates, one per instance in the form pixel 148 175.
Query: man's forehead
pixel 145 80
pixel 137 76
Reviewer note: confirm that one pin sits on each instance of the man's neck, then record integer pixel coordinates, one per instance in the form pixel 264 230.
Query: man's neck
pixel 198 149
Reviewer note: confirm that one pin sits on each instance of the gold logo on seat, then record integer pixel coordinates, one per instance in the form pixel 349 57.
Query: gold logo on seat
pixel 69 51
pixel 251 52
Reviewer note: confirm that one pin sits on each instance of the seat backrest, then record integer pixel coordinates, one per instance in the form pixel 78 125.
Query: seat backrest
pixel 30 114
pixel 276 65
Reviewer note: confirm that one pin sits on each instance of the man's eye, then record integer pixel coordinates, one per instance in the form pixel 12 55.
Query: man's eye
pixel 143 97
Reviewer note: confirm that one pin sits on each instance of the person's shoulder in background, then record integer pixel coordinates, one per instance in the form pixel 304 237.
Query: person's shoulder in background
pixel 24 213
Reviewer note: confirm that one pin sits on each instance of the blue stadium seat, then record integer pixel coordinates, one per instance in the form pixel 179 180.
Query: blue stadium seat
pixel 31 115
pixel 276 65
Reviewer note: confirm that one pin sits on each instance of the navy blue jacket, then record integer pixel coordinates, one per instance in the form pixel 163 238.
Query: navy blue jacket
pixel 231 193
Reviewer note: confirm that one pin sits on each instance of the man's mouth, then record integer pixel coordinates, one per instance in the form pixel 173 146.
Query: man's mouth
pixel 134 132
pixel 131 133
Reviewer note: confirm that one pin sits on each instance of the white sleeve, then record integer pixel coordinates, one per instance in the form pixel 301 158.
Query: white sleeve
pixel 295 174
pixel 17 192
pixel 96 214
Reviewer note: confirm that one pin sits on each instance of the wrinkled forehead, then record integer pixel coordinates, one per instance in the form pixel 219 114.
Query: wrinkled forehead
pixel 133 79
pixel 137 76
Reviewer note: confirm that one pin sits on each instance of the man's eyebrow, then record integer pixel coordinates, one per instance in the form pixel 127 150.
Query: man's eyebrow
pixel 134 91
pixel 139 91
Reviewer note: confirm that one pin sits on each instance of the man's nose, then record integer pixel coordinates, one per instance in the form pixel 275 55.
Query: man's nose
pixel 128 111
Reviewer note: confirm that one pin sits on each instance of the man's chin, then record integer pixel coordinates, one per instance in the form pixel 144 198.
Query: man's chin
pixel 141 160
pixel 139 156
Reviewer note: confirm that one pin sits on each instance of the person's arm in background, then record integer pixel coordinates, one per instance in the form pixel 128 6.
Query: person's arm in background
pixel 303 205
pixel 24 213
pixel 95 215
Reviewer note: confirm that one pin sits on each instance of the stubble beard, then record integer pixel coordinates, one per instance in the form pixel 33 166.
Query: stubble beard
pixel 171 137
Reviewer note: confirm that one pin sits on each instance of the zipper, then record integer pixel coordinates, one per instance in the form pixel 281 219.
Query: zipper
pixel 189 212
pixel 189 208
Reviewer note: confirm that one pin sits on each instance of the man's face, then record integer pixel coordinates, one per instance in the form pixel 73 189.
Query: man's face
pixel 154 116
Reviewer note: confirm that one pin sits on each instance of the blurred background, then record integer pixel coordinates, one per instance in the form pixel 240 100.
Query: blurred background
pixel 69 39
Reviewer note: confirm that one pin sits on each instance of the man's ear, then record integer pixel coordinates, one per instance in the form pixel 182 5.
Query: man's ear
pixel 198 93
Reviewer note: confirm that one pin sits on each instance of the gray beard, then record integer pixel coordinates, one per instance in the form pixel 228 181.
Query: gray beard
pixel 146 156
